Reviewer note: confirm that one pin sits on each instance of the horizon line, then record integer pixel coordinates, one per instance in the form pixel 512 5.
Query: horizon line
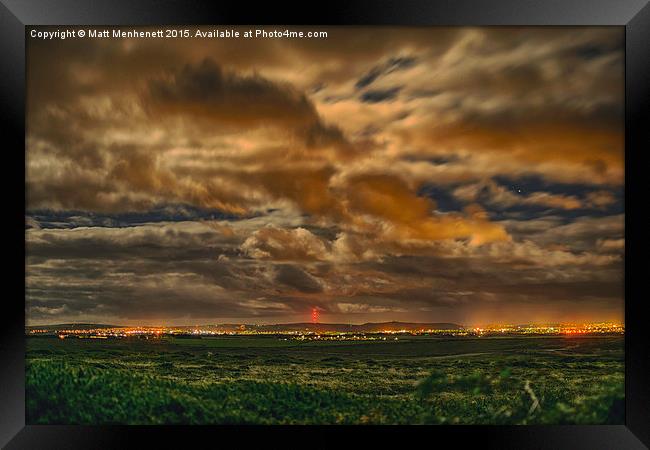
pixel 622 323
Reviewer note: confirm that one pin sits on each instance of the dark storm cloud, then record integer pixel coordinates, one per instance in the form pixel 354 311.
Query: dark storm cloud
pixel 469 281
pixel 225 98
pixel 222 101
pixel 133 275
pixel 248 100
pixel 45 218
pixel 141 303
pixel 589 137
pixel 389 66
pixel 297 278
pixel 152 242
pixel 87 278
pixel 591 51
pixel 377 96
pixel 584 232
pixel 322 135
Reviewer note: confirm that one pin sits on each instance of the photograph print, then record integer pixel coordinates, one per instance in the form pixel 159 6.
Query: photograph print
pixel 324 225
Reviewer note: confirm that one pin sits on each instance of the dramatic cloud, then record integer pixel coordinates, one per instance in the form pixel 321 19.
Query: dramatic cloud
pixel 497 195
pixel 389 66
pixel 229 99
pixel 380 96
pixel 466 174
pixel 280 244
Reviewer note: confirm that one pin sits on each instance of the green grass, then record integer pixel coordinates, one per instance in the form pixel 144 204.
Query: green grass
pixel 416 380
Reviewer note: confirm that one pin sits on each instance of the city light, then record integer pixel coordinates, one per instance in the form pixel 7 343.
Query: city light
pixel 318 331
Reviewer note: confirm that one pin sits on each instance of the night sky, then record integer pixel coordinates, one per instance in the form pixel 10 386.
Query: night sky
pixel 466 175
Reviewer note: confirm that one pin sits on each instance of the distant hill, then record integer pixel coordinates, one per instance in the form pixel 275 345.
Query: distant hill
pixel 284 327
pixel 69 326
pixel 411 326
pixel 363 328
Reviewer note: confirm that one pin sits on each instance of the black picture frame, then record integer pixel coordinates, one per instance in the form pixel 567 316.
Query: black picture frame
pixel 634 15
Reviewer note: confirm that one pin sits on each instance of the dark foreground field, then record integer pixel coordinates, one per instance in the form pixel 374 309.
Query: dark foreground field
pixel 416 380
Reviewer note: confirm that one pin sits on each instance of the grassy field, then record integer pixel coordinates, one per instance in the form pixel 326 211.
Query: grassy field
pixel 264 380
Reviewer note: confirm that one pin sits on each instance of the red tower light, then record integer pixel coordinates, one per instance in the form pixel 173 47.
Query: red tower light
pixel 314 315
